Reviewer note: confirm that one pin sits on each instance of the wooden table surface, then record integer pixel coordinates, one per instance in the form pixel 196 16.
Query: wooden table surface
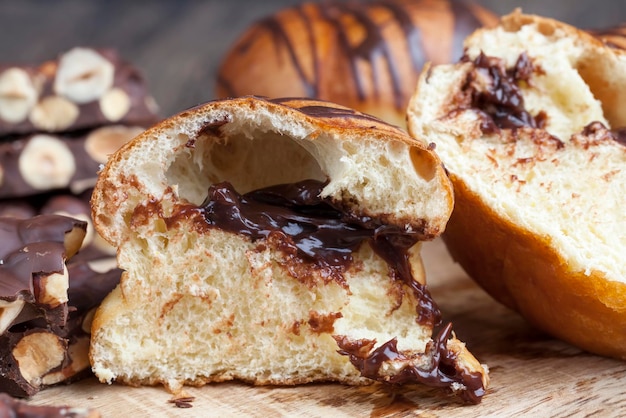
pixel 178 45
pixel 532 375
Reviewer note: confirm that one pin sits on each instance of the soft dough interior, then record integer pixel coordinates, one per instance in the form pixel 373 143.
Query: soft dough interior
pixel 248 162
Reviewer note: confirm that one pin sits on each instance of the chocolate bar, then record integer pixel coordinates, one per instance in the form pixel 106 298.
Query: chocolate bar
pixel 36 354
pixel 74 206
pixel 46 303
pixel 42 162
pixel 82 88
pixel 10 407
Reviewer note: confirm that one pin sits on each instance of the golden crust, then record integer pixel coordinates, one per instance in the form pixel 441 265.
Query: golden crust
pixel 318 116
pixel 199 305
pixel 521 266
pixel 524 271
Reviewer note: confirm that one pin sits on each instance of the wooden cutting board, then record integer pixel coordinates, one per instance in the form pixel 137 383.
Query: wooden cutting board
pixel 531 375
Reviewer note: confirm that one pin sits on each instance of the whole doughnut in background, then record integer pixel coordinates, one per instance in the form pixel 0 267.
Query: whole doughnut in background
pixel 614 36
pixel 366 56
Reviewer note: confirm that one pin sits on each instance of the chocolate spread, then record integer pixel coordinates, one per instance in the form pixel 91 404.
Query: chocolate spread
pixel 441 371
pixel 318 232
pixel 495 92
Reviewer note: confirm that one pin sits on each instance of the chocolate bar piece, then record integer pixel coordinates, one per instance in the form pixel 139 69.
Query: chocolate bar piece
pixel 54 203
pixel 10 407
pixel 33 275
pixel 82 88
pixel 46 304
pixel 37 353
pixel 39 163
pixel 17 233
pixel 17 208
pixel 33 284
pixel 77 206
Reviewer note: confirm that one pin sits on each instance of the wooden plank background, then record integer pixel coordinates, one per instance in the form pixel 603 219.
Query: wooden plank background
pixel 178 45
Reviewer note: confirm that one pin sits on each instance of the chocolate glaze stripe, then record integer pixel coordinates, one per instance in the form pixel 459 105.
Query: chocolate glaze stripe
pixel 315 59
pixel 411 32
pixel 334 112
pixel 375 45
pixel 342 39
pixel 274 26
pixel 465 21
pixel 322 109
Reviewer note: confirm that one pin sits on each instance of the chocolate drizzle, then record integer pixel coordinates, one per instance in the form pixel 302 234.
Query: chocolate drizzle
pixel 320 111
pixel 372 46
pixel 345 19
pixel 296 219
pixel 411 32
pixel 440 371
pixel 279 37
pixel 465 22
pixel 495 93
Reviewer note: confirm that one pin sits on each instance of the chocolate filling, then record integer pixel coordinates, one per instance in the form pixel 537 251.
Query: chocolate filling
pixel 442 371
pixel 318 232
pixel 494 91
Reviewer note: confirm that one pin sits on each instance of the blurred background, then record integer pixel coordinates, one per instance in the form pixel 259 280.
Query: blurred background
pixel 178 44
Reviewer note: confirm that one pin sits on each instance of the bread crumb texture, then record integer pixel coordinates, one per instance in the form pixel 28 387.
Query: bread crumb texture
pixel 562 182
pixel 198 304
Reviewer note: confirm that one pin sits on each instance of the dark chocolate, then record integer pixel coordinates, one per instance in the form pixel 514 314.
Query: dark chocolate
pixel 16 233
pixel 495 92
pixel 126 77
pixel 280 37
pixel 334 112
pixel 32 251
pixel 22 276
pixel 64 150
pixel 12 380
pixel 315 231
pixel 13 408
pixel 87 289
pixel 442 371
